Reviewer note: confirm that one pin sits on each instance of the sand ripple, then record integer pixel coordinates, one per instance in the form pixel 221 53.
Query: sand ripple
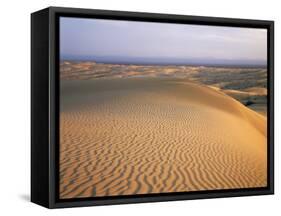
pixel 139 136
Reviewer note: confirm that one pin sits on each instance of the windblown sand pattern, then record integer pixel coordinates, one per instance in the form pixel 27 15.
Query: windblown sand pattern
pixel 152 135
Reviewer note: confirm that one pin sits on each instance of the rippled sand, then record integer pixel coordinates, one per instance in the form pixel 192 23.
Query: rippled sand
pixel 144 135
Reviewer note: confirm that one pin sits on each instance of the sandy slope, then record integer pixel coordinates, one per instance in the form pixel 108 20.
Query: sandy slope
pixel 145 135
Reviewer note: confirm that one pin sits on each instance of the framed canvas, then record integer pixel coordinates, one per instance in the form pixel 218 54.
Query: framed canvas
pixel 139 107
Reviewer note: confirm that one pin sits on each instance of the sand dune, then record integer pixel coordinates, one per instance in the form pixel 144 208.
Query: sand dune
pixel 246 84
pixel 152 135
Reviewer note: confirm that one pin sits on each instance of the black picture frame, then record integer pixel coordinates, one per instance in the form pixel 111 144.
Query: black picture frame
pixel 45 106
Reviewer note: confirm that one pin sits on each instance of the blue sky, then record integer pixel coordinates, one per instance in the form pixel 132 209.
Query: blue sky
pixel 91 39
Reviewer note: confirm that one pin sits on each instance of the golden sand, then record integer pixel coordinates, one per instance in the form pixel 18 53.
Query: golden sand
pixel 145 135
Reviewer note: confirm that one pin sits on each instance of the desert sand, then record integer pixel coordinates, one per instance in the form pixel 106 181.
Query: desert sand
pixel 246 84
pixel 150 135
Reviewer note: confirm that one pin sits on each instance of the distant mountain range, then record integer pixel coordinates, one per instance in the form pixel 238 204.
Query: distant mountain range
pixel 166 61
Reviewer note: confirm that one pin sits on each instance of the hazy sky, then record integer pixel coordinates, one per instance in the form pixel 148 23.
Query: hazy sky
pixel 82 38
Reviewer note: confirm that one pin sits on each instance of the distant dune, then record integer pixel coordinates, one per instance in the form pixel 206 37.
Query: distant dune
pixel 245 84
pixel 151 135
